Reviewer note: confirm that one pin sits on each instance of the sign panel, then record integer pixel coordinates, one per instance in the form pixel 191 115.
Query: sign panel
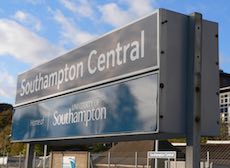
pixel 125 52
pixel 126 108
pixel 162 154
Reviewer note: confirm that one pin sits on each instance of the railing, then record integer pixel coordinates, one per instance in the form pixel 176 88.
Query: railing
pixel 138 160
pixel 19 162
pixel 112 160
pixel 118 160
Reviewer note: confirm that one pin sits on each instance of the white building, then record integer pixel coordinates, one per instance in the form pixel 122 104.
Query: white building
pixel 225 104
pixel 225 98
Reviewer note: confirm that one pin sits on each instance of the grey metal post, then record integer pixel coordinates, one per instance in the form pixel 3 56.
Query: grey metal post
pixel 89 160
pixel 34 160
pixel 175 165
pixel 109 159
pixel 44 157
pixel 19 162
pixel 156 149
pixel 135 159
pixel 147 160
pixel 62 158
pixel 211 164
pixel 29 155
pixel 7 159
pixel 169 166
pixel 208 159
pixel 194 92
pixel 165 164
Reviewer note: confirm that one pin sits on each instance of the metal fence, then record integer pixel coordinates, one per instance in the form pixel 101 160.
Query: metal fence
pixel 111 160
pixel 119 160
pixel 139 160
pixel 19 162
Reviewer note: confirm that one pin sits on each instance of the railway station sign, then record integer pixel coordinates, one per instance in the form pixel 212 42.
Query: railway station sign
pixel 100 61
pixel 131 81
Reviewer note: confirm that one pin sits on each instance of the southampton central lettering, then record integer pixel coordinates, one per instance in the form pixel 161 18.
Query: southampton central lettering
pixel 84 116
pixel 116 57
pixel 96 62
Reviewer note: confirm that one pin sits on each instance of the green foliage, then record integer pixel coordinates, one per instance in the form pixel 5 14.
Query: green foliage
pixel 223 132
pixel 17 148
pixel 5 133
pixel 203 140
pixel 98 148
pixel 177 140
pixel 5 119
pixel 38 149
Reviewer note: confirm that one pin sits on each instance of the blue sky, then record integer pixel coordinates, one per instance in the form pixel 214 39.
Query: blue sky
pixel 35 31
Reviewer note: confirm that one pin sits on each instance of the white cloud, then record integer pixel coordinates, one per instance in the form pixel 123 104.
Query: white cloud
pixel 69 31
pixel 21 16
pixel 115 15
pixel 24 45
pixel 28 20
pixel 139 7
pixel 112 14
pixel 81 7
pixel 7 84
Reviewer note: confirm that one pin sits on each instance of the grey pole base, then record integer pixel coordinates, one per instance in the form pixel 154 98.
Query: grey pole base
pixel 29 155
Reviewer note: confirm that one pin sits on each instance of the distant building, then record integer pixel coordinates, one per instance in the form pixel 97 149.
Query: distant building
pixel 225 98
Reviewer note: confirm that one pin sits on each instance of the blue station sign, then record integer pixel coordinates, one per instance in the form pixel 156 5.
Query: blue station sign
pixel 107 111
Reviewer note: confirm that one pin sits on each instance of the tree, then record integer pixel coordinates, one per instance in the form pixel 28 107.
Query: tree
pixel 5 132
pixel 224 134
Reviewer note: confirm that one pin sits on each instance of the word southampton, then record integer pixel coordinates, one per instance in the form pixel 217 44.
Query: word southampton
pixel 95 62
pixel 84 116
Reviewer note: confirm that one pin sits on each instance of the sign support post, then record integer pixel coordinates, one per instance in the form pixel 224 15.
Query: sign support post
pixel 29 155
pixel 156 150
pixel 194 92
pixel 44 157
